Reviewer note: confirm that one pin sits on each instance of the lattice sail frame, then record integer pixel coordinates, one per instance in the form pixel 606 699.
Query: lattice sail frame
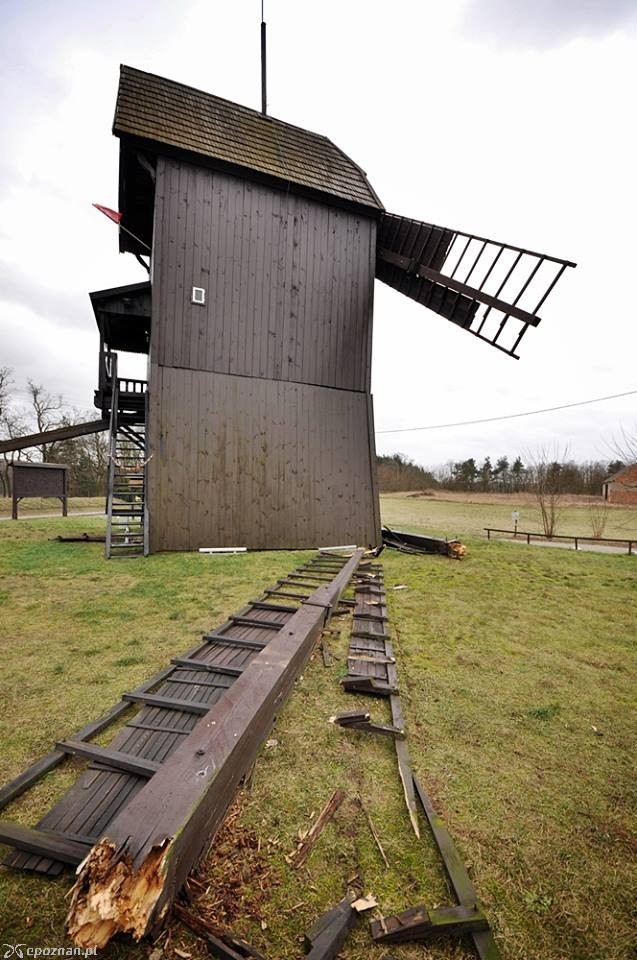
pixel 493 290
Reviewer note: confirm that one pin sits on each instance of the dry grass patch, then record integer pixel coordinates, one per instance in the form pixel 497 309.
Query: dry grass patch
pixel 454 514
pixel 35 505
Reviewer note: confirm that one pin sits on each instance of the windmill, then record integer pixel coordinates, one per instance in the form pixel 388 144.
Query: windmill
pixel 255 426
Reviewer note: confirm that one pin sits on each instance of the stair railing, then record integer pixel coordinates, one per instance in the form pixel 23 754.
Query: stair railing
pixel 112 453
pixel 145 517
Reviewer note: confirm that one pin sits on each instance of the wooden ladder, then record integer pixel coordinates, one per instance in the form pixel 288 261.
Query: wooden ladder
pixel 127 514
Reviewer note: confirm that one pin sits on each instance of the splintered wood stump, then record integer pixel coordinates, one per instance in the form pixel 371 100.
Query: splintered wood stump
pixel 129 880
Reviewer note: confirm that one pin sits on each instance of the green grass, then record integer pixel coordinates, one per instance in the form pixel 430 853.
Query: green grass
pixel 518 675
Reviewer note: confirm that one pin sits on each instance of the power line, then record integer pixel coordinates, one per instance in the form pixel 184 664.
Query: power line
pixel 509 416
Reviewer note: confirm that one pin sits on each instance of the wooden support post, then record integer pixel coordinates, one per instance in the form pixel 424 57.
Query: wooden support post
pixel 129 879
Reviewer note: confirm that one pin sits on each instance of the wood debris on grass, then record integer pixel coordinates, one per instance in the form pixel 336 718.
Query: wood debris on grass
pixel 373 831
pixel 309 838
pixel 221 943
pixel 235 879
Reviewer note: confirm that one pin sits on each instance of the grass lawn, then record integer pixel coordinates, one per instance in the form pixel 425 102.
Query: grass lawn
pixel 518 675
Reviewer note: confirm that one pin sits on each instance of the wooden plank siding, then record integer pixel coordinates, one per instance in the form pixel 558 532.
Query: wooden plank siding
pixel 259 463
pixel 260 421
pixel 288 280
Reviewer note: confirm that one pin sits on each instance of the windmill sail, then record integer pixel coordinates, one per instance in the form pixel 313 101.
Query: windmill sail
pixel 493 290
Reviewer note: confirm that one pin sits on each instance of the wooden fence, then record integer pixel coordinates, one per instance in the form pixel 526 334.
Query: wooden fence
pixel 562 536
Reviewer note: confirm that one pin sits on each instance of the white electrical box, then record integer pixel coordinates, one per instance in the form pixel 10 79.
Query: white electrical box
pixel 198 295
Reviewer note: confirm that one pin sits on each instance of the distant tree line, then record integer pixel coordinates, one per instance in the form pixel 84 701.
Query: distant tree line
pixel 513 475
pixel 498 475
pixel 398 472
pixel 40 410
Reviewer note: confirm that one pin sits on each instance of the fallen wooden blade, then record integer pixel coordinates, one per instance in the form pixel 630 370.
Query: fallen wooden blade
pixel 128 881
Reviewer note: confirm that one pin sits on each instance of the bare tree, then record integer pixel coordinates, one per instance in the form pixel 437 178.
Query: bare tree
pixel 548 487
pixel 625 446
pixel 12 424
pixel 48 409
pixel 5 387
pixel 598 513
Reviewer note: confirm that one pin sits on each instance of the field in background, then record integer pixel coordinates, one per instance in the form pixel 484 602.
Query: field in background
pixel 518 675
pixel 449 514
pixel 50 505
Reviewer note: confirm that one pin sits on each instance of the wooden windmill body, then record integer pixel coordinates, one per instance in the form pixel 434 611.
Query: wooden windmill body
pixel 255 426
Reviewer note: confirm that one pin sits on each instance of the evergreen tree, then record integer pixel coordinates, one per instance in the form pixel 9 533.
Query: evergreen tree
pixel 501 473
pixel 518 472
pixel 486 473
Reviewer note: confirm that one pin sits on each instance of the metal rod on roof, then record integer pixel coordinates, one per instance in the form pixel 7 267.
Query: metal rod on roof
pixel 264 96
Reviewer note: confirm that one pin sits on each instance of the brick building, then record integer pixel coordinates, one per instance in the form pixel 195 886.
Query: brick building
pixel 622 486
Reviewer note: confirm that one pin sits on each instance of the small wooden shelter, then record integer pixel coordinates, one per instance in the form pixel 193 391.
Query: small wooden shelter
pixel 38 480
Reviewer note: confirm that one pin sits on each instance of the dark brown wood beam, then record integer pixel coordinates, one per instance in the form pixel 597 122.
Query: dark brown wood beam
pixel 130 879
pixel 168 703
pixel 328 934
pixel 53 436
pixel 217 637
pixel 419 923
pixel 420 270
pixel 41 844
pixel 189 664
pixel 459 878
pixel 114 758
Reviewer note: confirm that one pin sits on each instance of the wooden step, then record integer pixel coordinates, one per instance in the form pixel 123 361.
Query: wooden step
pixel 168 703
pixel 189 664
pixel 114 758
pixel 42 844
pixel 241 621
pixel 234 641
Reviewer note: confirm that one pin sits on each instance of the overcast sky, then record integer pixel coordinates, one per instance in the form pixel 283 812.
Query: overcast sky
pixel 509 118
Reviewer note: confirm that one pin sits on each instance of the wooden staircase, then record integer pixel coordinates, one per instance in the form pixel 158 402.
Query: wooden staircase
pixel 127 515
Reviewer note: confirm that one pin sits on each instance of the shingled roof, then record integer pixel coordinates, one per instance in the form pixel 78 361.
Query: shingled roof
pixel 164 112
